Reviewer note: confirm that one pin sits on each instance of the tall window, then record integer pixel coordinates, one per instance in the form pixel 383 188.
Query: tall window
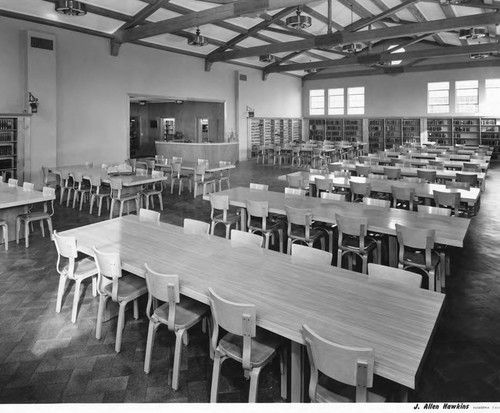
pixel 356 101
pixel 438 97
pixel 336 101
pixel 467 96
pixel 492 101
pixel 317 102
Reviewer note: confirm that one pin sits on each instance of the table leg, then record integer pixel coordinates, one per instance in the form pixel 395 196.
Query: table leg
pixel 297 373
pixel 243 219
pixel 393 251
pixel 403 394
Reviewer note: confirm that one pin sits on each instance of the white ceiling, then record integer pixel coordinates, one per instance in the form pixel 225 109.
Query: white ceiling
pixel 107 17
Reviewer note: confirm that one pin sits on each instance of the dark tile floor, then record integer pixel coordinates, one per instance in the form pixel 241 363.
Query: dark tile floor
pixel 46 359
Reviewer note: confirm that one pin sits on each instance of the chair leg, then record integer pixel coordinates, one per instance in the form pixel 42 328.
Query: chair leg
pixel 100 315
pixel 136 309
pixel 121 209
pixel 18 229
pixel 212 228
pixel 119 327
pixel 111 208
pixel 215 377
pixel 26 234
pixel 5 237
pixel 91 207
pixel 76 298
pixel 339 258
pixel 228 228
pixel 60 292
pixel 254 384
pixel 280 239
pixel 161 202
pixel 94 286
pixel 177 358
pixel 284 371
pixel 99 208
pixel 149 345
pixel 42 228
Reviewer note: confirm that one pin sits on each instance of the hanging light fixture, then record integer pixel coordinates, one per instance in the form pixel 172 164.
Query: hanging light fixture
pixel 71 8
pixel 197 39
pixel 472 33
pixel 352 47
pixel 479 56
pixel 298 21
pixel 267 58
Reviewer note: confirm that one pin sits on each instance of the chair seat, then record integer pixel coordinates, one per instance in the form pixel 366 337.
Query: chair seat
pixel 83 268
pixel 299 233
pixel 324 395
pixel 417 258
pixel 34 216
pixel 187 313
pixel 129 286
pixel 128 197
pixel 351 243
pixel 231 217
pixel 264 345
pixel 271 225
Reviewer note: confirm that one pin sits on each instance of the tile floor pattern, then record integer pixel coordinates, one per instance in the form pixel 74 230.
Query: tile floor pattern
pixel 44 358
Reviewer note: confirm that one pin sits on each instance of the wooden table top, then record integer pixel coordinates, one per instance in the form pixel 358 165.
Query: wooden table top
pixel 13 196
pixel 428 155
pixel 343 306
pixel 449 230
pixel 470 196
pixel 87 172
pixel 446 163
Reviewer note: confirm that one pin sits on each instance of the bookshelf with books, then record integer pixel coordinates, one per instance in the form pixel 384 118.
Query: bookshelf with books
pixel 317 129
pixel 411 131
pixel 8 147
pixel 439 130
pixel 272 131
pixel 392 133
pixel 466 131
pixel 375 135
pixel 490 134
pixel 334 130
pixel 353 130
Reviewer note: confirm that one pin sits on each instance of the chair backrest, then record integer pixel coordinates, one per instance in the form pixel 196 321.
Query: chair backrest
pixel 448 199
pixel 116 184
pixel 342 174
pixel 394 275
pixel 392 173
pixel 471 167
pixel 337 166
pixel 458 185
pixel 432 210
pixel 348 365
pixel 323 184
pixel 298 216
pixel 332 196
pixel 427 174
pixel 157 174
pixel 260 187
pixel 245 238
pixel 377 177
pixel 352 225
pixel 402 194
pixel 258 209
pixel 363 170
pixel 193 226
pixel 470 178
pixel 28 187
pixel 414 179
pixel 109 268
pixel 295 181
pixel 95 180
pixel 151 164
pixel 141 172
pixel 176 159
pixel 202 162
pixel 163 287
pixel 219 203
pixel 147 215
pixel 66 248
pixel 359 188
pixel 315 171
pixel 295 191
pixel 417 238
pixel 382 203
pixel 313 255
pixel 435 164
pixel 235 318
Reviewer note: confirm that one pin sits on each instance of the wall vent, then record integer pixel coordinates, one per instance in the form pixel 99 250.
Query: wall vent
pixel 243 78
pixel 41 43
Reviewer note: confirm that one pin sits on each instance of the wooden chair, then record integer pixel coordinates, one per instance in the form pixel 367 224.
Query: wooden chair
pixel 258 221
pixel 353 240
pixel 179 316
pixel 435 165
pixel 295 191
pixel 253 347
pixel 416 250
pixel 259 187
pixel 239 238
pixel 413 179
pixel 28 186
pixel 448 200
pixel 121 288
pixel 66 187
pixel 394 275
pixel 49 179
pixel 34 216
pixel 458 185
pixel 300 228
pixel 178 177
pixel 98 192
pixel 381 203
pixel 428 175
pixel 359 190
pixel 81 189
pixel 73 269
pixel 226 217
pixel 363 170
pixel 335 167
pixel 193 226
pixel 156 189
pixel 379 177
pixel 392 173
pixel 471 167
pixel 5 233
pixel 12 182
pixel 471 179
pixel 118 196
pixel 297 157
pixel 348 365
pixel 332 197
pixel 147 215
pixel 200 178
pixel 432 210
pixel 297 181
pixel 301 253
pixel 403 197
pixel 225 174
pixel 323 185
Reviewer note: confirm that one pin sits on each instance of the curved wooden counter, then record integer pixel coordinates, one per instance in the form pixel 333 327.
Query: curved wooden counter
pixel 191 152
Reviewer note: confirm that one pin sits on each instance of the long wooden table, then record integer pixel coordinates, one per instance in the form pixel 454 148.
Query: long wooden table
pixel 470 196
pixel 428 155
pixel 14 201
pixel 447 163
pixel 343 306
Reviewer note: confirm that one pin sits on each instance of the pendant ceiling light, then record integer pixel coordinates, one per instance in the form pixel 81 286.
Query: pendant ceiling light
pixel 298 21
pixel 479 56
pixel 267 58
pixel 71 8
pixel 472 33
pixel 197 39
pixel 352 47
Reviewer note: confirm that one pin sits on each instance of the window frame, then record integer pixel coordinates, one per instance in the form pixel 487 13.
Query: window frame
pixel 466 107
pixel 351 109
pixel 336 110
pixel 430 105
pixel 318 108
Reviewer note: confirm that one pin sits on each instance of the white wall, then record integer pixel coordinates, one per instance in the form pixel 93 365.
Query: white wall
pixel 93 87
pixel 405 95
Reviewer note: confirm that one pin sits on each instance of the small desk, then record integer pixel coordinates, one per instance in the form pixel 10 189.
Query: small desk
pixel 343 306
pixel 14 201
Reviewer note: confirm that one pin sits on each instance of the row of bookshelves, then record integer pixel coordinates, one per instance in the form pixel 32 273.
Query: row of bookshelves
pixel 8 147
pixel 274 131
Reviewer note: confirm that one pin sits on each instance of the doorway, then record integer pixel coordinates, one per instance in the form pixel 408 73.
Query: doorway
pixel 202 130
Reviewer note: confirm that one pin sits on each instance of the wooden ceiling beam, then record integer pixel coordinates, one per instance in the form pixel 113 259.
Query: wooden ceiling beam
pixel 338 38
pixel 102 12
pixel 367 59
pixel 400 70
pixel 479 4
pixel 320 17
pixel 212 15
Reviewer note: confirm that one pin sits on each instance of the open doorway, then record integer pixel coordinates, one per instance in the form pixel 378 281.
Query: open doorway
pixel 202 130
